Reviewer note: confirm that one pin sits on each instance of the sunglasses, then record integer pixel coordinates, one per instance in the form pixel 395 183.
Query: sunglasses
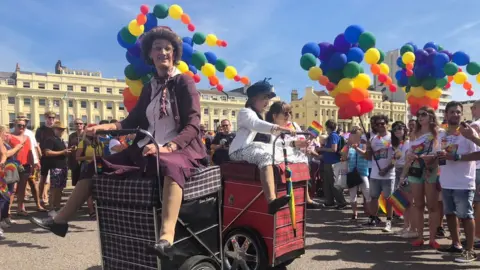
pixel 51 117
pixel 78 124
pixel 202 130
pixel 380 124
pixel 21 126
pixel 422 114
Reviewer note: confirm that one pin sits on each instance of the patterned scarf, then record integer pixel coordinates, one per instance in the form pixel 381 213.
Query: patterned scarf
pixel 159 87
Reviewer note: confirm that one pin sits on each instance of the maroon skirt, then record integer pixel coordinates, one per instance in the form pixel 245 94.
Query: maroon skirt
pixel 178 165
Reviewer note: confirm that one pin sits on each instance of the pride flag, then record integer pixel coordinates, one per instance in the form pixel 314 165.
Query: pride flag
pixel 399 201
pixel 315 128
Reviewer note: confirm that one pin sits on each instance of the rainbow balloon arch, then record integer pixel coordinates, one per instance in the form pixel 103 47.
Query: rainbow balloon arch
pixel 337 67
pixel 426 72
pixel 138 72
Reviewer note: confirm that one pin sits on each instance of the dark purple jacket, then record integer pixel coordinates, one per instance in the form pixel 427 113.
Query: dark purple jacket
pixel 185 101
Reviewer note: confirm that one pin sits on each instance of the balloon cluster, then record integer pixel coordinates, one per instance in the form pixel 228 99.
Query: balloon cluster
pixel 425 72
pixel 340 70
pixel 138 72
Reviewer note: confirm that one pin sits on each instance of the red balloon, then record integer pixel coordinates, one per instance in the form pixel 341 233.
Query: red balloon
pixel 353 109
pixel 196 78
pixel 366 106
pixel 224 43
pixel 460 69
pixel 448 85
pixel 470 93
pixel 219 87
pixel 213 80
pixel 191 27
pixel 144 9
pixel 414 109
pixel 341 100
pixel 409 72
pixel 382 78
pixel 342 114
pixel 237 78
pixel 434 103
pixel 330 86
pixel 393 88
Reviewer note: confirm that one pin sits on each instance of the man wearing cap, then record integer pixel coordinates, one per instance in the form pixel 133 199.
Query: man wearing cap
pixel 42 134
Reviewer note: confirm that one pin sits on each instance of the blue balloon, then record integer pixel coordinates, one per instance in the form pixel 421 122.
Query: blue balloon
pixel 312 48
pixel 398 75
pixel 123 43
pixel 432 45
pixel 186 58
pixel 211 57
pixel 440 60
pixel 421 72
pixel 193 69
pixel 413 45
pixel 135 49
pixel 324 67
pixel 151 22
pixel 130 58
pixel 431 58
pixel 355 54
pixel 337 61
pixel 439 73
pixel 403 80
pixel 352 33
pixel 400 62
pixel 188 40
pixel 421 56
pixel 460 58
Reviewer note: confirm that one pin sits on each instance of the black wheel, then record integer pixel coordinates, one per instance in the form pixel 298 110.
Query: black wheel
pixel 244 250
pixel 199 262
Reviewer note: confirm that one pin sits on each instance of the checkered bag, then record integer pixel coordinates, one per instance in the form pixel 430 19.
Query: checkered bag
pixel 203 182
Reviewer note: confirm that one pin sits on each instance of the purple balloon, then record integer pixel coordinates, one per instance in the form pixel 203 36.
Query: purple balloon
pixel 341 44
pixel 326 51
pixel 447 53
pixel 135 49
pixel 431 58
pixel 421 56
pixel 430 50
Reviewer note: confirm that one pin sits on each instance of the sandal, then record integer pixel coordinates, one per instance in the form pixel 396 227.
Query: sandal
pixel 41 209
pixel 22 213
pixel 417 243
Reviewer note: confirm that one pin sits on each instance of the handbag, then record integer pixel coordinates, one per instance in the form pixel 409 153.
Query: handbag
pixel 354 178
pixel 418 172
pixel 11 174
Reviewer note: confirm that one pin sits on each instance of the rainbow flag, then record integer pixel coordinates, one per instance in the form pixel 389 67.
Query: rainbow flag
pixel 382 203
pixel 315 128
pixel 399 201
pixel 291 203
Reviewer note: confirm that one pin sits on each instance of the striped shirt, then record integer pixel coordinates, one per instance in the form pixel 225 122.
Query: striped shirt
pixel 356 160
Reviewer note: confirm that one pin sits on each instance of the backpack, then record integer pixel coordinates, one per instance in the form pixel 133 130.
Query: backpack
pixel 341 144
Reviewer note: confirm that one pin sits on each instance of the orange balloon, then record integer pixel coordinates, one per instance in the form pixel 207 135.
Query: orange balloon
pixel 342 99
pixel 323 80
pixel 245 80
pixel 358 94
pixel 213 80
pixel 375 69
pixel 409 66
pixel 389 81
pixel 467 86
pixel 141 19
pixel 413 100
pixel 127 94
pixel 189 73
pixel 450 78
pixel 185 18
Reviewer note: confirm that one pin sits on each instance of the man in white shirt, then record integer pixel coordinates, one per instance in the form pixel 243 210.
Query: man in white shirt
pixel 476 200
pixel 457 179
pixel 382 177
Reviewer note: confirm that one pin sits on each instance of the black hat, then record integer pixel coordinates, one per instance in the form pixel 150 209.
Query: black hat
pixel 261 87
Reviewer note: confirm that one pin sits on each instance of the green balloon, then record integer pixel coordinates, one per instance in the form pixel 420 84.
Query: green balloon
pixel 450 68
pixel 407 89
pixel 406 48
pixel 335 75
pixel 130 73
pixel 307 61
pixel 382 57
pixel 362 70
pixel 351 70
pixel 442 82
pixel 473 68
pixel 440 48
pixel 198 59
pixel 220 65
pixel 160 11
pixel 429 83
pixel 413 81
pixel 198 38
pixel 147 78
pixel 126 36
pixel 366 41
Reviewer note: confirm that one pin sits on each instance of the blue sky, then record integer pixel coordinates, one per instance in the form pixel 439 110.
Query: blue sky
pixel 265 37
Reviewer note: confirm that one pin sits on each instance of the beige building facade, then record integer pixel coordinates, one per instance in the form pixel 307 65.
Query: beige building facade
pixel 319 106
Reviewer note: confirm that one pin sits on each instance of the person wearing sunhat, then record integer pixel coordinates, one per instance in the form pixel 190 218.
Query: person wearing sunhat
pixel 169 108
pixel 252 142
pixel 55 159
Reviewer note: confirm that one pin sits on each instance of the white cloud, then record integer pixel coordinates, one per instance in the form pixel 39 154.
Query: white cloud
pixel 462 28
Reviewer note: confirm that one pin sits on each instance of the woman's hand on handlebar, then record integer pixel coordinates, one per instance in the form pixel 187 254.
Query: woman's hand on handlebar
pixel 150 149
pixel 90 131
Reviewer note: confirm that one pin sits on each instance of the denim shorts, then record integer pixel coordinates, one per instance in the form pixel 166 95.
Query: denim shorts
pixel 377 186
pixel 477 185
pixel 458 202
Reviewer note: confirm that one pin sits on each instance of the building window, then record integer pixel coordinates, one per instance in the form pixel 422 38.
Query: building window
pixel 70 103
pixel 122 118
pixel 224 98
pixel 27 101
pixel 297 116
pixel 56 103
pixel 303 114
pixel 109 105
pixel 316 113
pixel 215 111
pixel 83 104
pixel 109 90
pixel 42 119
pixel 83 88
pixel 120 91
pixel 11 117
pixel 26 84
pixel 42 102
pixel 10 81
pixel 233 113
pixel 121 107
pixel 41 86
pixel 29 116
pixel 109 118
pixel 11 100
pixel 96 89
pixel 69 87
pixel 71 123
pixel 95 104
pixel 225 112
pixel 56 87
pixel 84 118
pixel 204 97
pixel 97 119
pixel 205 111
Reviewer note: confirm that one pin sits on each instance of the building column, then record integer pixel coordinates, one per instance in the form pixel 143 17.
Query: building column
pixel 103 110
pixel 34 115
pixel 115 110
pixel 76 108
pixel 90 108
pixel 18 104
pixel 3 109
pixel 64 112
pixel 210 119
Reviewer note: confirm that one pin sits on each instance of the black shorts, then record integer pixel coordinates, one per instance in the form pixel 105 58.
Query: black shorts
pixel 44 168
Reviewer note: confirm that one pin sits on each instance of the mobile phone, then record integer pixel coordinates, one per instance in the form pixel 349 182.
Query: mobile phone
pixel 463 124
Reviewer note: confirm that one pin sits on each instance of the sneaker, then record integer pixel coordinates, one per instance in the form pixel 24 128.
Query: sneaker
pixel 372 222
pixel 467 256
pixel 328 205
pixel 440 232
pixel 388 226
pixel 409 235
pixel 10 221
pixel 4 224
pixel 402 231
pixel 2 235
pixel 341 206
pixel 451 249
pixel 52 213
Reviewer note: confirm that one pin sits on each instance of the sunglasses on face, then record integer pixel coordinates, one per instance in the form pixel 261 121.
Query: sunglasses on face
pixel 78 124
pixel 20 126
pixel 422 114
pixel 51 117
pixel 380 124
pixel 225 126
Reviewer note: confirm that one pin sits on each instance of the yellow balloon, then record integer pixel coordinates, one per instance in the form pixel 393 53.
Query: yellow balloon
pixel 182 66
pixel 408 58
pixel 478 78
pixel 230 72
pixel 417 92
pixel 345 85
pixel 211 40
pixel 434 93
pixel 135 86
pixel 361 81
pixel 314 73
pixel 135 29
pixel 384 68
pixel 175 11
pixel 335 92
pixel 208 70
pixel 372 56
pixel 460 77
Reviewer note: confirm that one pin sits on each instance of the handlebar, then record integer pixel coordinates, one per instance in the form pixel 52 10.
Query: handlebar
pixel 120 132
pixel 296 133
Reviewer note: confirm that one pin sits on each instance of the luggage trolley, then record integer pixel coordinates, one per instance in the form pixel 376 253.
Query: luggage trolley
pixel 128 207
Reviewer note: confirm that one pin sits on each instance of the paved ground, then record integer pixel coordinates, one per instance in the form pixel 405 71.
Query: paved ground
pixel 333 243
